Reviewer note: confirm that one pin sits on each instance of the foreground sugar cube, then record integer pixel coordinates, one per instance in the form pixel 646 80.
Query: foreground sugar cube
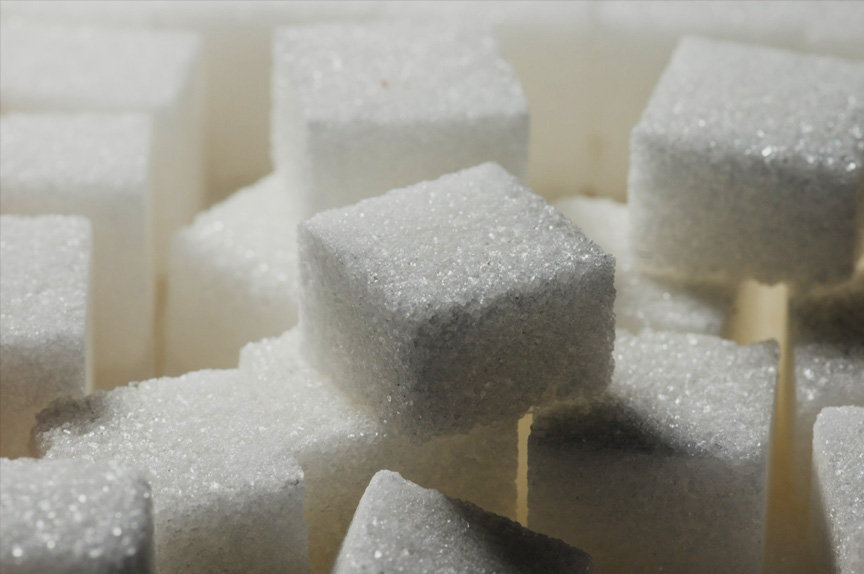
pixel 838 475
pixel 99 167
pixel 224 499
pixel 642 301
pixel 232 278
pixel 216 445
pixel 54 68
pixel 402 527
pixel 456 302
pixel 748 163
pixel 362 109
pixel 73 517
pixel 668 470
pixel 44 326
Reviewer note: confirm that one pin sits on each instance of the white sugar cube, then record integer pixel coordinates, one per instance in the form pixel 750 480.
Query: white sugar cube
pixel 456 302
pixel 44 320
pixel 232 278
pixel 50 67
pixel 72 517
pixel 838 480
pixel 668 470
pixel 99 167
pixel 402 527
pixel 362 109
pixel 642 301
pixel 236 46
pixel 240 427
pixel 225 498
pixel 748 163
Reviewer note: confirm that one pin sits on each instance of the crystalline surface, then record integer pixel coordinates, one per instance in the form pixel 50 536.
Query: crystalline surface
pixel 44 336
pixel 838 471
pixel 73 517
pixel 456 302
pixel 669 467
pixel 402 527
pixel 748 163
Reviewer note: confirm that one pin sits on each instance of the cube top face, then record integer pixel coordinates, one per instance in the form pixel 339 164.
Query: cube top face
pixel 73 516
pixel 44 280
pixel 465 239
pixel 678 394
pixel 78 67
pixel 748 162
pixel 456 302
pixel 87 154
pixel 393 73
pixel 395 514
pixel 174 430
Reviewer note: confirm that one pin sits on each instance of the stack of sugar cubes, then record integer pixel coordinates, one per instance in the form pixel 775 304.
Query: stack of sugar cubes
pixel 389 300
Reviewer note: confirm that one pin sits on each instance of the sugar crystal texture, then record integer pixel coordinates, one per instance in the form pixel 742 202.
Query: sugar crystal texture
pixel 402 527
pixel 73 517
pixel 362 109
pixel 216 445
pixel 838 489
pixel 232 278
pixel 99 167
pixel 748 163
pixel 44 327
pixel 56 68
pixel 668 470
pixel 236 45
pixel 642 301
pixel 225 497
pixel 456 302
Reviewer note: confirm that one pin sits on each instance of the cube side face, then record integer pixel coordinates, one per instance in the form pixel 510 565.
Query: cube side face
pixel 350 161
pixel 698 210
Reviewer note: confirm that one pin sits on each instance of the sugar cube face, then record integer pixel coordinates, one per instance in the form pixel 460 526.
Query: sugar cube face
pixel 73 517
pixel 642 301
pixel 44 330
pixel 359 110
pixel 236 45
pixel 224 499
pixel 55 68
pixel 96 166
pixel 402 527
pixel 750 167
pixel 242 427
pixel 232 278
pixel 838 474
pixel 456 302
pixel 669 467
pixel 340 447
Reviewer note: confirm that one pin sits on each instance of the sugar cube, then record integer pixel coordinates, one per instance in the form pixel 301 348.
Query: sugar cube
pixel 72 517
pixel 99 167
pixel 240 427
pixel 456 302
pixel 838 479
pixel 51 67
pixel 236 46
pixel 232 278
pixel 668 469
pixel 360 109
pixel 748 163
pixel 44 320
pixel 402 527
pixel 225 497
pixel 642 301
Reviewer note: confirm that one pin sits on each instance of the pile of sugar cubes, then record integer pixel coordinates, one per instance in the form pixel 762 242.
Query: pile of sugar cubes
pixel 431 287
